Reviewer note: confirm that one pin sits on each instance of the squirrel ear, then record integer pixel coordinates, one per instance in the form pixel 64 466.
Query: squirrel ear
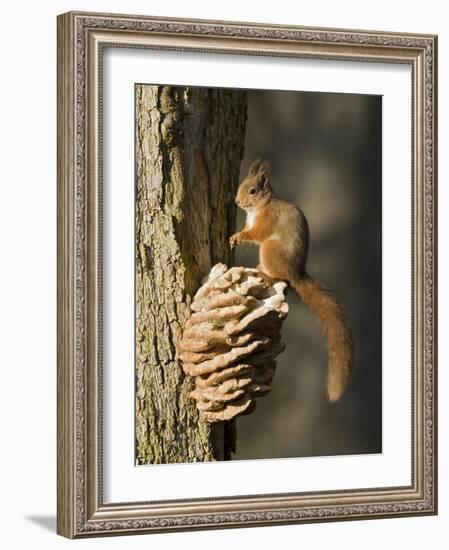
pixel 264 173
pixel 264 179
pixel 254 168
pixel 259 166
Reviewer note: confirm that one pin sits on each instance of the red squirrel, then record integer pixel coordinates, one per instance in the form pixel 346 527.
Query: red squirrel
pixel 281 231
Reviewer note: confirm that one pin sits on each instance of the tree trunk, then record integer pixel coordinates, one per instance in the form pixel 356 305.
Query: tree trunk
pixel 189 144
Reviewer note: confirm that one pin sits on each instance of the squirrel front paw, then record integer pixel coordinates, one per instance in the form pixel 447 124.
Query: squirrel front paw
pixel 235 240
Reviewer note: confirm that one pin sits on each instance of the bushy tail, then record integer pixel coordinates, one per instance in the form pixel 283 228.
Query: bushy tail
pixel 336 328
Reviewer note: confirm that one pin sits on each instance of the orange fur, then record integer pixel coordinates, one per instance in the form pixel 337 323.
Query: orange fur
pixel 281 231
pixel 336 328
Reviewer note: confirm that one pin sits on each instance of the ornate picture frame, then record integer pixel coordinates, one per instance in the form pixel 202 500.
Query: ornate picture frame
pixel 82 511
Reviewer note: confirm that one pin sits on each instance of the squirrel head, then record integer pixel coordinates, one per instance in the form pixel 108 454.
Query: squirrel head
pixel 255 191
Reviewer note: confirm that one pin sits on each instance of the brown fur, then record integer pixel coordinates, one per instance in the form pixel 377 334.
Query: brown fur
pixel 281 231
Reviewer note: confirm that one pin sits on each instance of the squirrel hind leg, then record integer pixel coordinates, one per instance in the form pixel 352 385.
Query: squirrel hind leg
pixel 265 277
pixel 272 261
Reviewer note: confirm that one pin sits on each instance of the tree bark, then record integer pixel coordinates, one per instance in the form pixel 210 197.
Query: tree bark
pixel 189 144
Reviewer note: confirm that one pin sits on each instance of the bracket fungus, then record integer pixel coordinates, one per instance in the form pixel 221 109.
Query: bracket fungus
pixel 230 342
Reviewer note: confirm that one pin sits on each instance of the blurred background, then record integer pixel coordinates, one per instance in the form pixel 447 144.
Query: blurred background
pixel 326 157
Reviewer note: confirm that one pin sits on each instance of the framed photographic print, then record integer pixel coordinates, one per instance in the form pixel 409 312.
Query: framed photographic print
pixel 246 274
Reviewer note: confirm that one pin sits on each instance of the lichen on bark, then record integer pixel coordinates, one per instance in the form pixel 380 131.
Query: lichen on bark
pixel 189 144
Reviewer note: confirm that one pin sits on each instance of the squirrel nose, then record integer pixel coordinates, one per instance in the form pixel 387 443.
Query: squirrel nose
pixel 237 201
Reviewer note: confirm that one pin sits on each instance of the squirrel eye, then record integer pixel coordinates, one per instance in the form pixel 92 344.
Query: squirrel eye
pixel 252 191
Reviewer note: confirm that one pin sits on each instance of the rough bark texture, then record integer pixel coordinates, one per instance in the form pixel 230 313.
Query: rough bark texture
pixel 189 144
